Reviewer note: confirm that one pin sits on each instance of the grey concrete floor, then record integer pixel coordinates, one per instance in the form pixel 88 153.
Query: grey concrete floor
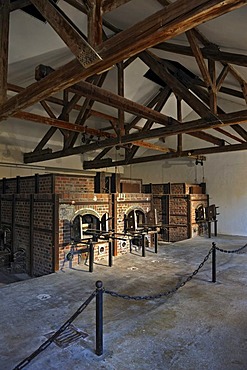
pixel 202 326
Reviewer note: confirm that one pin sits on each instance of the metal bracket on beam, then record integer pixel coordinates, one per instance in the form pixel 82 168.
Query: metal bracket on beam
pixel 88 56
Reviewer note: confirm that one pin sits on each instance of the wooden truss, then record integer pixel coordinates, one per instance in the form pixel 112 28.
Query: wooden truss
pixel 95 54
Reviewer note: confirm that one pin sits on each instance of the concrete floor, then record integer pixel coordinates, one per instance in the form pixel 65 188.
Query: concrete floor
pixel 202 326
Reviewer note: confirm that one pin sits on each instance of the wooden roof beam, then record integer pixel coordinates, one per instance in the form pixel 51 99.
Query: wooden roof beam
pixel 208 52
pixel 19 4
pixel 159 157
pixel 77 44
pixel 187 127
pixel 4 48
pixel 109 5
pixel 169 22
pixel 199 57
pixel 95 31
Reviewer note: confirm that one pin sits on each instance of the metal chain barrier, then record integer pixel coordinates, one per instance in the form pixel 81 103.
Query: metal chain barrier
pixel 43 346
pixel 228 251
pixel 160 295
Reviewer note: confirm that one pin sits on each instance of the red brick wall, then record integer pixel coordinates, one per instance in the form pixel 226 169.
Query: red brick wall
pixel 41 247
pixel 125 201
pixel 71 205
pixel 68 185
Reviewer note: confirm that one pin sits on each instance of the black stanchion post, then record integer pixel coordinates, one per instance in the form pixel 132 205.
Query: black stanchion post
pixel 99 318
pixel 215 227
pixel 156 242
pixel 213 263
pixel 143 246
pixel 209 229
pixel 91 256
pixel 110 253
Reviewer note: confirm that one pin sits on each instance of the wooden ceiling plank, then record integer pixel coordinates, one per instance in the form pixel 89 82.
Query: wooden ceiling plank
pixel 4 48
pixel 82 50
pixel 173 20
pixel 199 58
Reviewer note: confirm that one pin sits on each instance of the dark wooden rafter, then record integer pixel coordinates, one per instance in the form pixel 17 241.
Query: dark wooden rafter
pixel 188 127
pixel 205 97
pixel 180 119
pixel 109 5
pixel 85 9
pixel 160 157
pixel 55 123
pixel 78 45
pixel 224 132
pixel 48 109
pixel 59 102
pixel 96 93
pixel 179 17
pixel 231 69
pixel 199 58
pixel 175 19
pixel 4 48
pixel 163 97
pixel 162 71
pixel 208 52
pixel 227 68
pixel 120 70
pixel 19 4
pixel 240 79
pixel 95 22
pixel 116 101
pixel 240 130
pixel 150 104
pixel 221 77
pixel 84 112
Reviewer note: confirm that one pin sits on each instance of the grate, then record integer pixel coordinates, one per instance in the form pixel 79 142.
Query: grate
pixel 69 336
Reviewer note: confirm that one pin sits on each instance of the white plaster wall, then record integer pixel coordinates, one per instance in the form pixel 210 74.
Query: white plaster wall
pixel 225 175
pixel 227 187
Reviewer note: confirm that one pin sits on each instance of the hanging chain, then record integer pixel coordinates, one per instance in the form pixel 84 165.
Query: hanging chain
pixel 46 344
pixel 160 295
pixel 233 251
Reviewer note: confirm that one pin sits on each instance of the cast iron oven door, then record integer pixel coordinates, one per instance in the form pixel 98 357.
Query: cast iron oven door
pixel 134 220
pixel 84 225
